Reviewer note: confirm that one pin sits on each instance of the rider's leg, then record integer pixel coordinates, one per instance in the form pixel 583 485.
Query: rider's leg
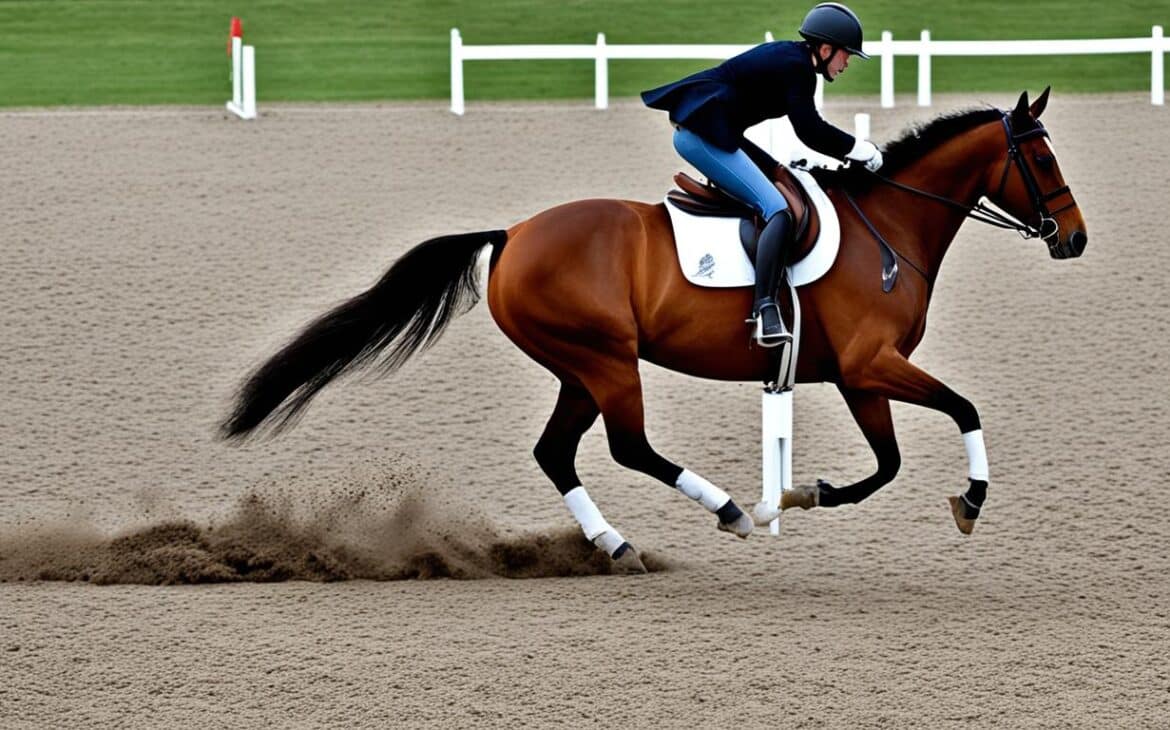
pixel 735 173
pixel 771 258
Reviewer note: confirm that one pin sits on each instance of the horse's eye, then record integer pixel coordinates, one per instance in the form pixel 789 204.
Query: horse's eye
pixel 1044 161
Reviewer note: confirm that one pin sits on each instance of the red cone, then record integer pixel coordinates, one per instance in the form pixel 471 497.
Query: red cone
pixel 237 31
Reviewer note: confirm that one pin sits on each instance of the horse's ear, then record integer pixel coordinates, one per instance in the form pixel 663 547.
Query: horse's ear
pixel 1041 102
pixel 1021 109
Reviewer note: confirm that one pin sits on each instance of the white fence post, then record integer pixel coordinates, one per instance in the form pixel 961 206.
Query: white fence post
pixel 456 72
pixel 1157 69
pixel 924 69
pixel 861 125
pixel 601 72
pixel 887 69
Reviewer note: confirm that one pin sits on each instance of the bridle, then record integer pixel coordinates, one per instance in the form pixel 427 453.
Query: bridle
pixel 982 213
pixel 1047 231
pixel 1049 228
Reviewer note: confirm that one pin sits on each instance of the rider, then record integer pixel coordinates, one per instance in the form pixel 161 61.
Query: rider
pixel 712 108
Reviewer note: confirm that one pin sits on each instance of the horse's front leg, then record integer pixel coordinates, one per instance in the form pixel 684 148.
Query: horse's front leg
pixel 890 375
pixel 872 414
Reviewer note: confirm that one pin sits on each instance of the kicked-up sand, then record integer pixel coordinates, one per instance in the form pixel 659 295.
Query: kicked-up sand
pixel 398 560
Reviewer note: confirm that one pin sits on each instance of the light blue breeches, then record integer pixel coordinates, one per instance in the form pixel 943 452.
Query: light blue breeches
pixel 733 172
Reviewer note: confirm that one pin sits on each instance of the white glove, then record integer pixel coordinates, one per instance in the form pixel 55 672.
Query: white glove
pixel 867 152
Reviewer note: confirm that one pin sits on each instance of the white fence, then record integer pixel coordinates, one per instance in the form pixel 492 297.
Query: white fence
pixel 886 49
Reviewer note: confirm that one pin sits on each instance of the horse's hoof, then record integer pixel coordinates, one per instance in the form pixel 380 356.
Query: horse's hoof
pixel 741 526
pixel 763 515
pixel 959 512
pixel 805 496
pixel 627 562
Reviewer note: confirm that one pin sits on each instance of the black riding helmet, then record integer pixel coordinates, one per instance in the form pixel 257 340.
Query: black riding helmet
pixel 835 24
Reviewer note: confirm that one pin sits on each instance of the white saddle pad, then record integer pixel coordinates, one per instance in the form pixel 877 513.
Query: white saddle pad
pixel 710 253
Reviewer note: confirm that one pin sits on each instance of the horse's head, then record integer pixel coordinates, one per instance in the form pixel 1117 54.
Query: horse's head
pixel 1028 183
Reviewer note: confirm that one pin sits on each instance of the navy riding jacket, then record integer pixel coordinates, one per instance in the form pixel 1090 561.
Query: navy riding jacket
pixel 766 82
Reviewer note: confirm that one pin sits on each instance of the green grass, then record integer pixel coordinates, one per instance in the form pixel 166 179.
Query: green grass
pixel 86 52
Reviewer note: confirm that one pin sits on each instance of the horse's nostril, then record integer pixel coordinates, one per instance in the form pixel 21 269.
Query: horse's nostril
pixel 1077 241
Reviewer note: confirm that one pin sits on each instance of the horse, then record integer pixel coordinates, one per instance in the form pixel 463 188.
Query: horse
pixel 589 288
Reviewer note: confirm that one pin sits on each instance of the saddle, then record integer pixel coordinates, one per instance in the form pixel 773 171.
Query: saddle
pixel 707 200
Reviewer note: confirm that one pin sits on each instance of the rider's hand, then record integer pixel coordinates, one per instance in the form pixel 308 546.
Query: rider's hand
pixel 866 152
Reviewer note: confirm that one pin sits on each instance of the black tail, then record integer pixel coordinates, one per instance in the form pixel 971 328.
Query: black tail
pixel 406 311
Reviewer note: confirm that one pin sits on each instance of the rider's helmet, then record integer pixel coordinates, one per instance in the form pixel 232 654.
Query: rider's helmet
pixel 835 24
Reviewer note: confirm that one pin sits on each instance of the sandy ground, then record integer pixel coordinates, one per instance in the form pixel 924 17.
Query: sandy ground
pixel 152 257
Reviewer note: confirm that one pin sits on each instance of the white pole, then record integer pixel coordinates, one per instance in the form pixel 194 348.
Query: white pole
pixel 887 69
pixel 237 71
pixel 861 125
pixel 1157 69
pixel 924 70
pixel 601 75
pixel 249 82
pixel 768 36
pixel 456 72
pixel 776 409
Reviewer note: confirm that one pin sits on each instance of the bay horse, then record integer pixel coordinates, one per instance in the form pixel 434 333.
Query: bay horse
pixel 589 288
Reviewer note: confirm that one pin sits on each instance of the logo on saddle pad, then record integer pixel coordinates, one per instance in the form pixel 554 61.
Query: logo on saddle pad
pixel 706 267
pixel 711 255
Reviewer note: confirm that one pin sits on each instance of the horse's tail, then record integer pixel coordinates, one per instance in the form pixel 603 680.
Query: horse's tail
pixel 405 311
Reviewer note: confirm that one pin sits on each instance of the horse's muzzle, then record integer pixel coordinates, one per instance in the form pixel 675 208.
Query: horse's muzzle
pixel 1070 249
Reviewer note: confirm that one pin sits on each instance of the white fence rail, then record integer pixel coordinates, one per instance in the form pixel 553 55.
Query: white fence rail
pixel 1157 45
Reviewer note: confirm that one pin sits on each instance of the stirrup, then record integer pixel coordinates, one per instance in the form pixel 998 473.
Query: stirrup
pixel 770 339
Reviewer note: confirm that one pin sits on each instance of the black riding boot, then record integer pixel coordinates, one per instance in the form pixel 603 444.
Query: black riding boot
pixel 771 256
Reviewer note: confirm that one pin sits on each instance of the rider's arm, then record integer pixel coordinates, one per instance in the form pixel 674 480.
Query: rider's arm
pixel 813 130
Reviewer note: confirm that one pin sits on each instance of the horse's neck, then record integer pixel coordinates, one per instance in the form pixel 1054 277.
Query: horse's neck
pixel 956 171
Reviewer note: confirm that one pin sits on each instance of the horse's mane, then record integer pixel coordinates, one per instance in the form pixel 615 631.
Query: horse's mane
pixel 914 143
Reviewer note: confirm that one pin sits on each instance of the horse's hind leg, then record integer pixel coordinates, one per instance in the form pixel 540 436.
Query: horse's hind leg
pixel 556 451
pixel 616 387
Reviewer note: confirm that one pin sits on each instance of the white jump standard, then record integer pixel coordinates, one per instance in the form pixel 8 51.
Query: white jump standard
pixel 243 102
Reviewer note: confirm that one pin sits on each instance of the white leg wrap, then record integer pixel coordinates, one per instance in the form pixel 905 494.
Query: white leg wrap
pixel 586 513
pixel 592 523
pixel 609 541
pixel 976 455
pixel 701 490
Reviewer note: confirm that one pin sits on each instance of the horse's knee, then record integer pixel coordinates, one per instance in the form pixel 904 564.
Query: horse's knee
pixel 888 466
pixel 961 410
pixel 544 452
